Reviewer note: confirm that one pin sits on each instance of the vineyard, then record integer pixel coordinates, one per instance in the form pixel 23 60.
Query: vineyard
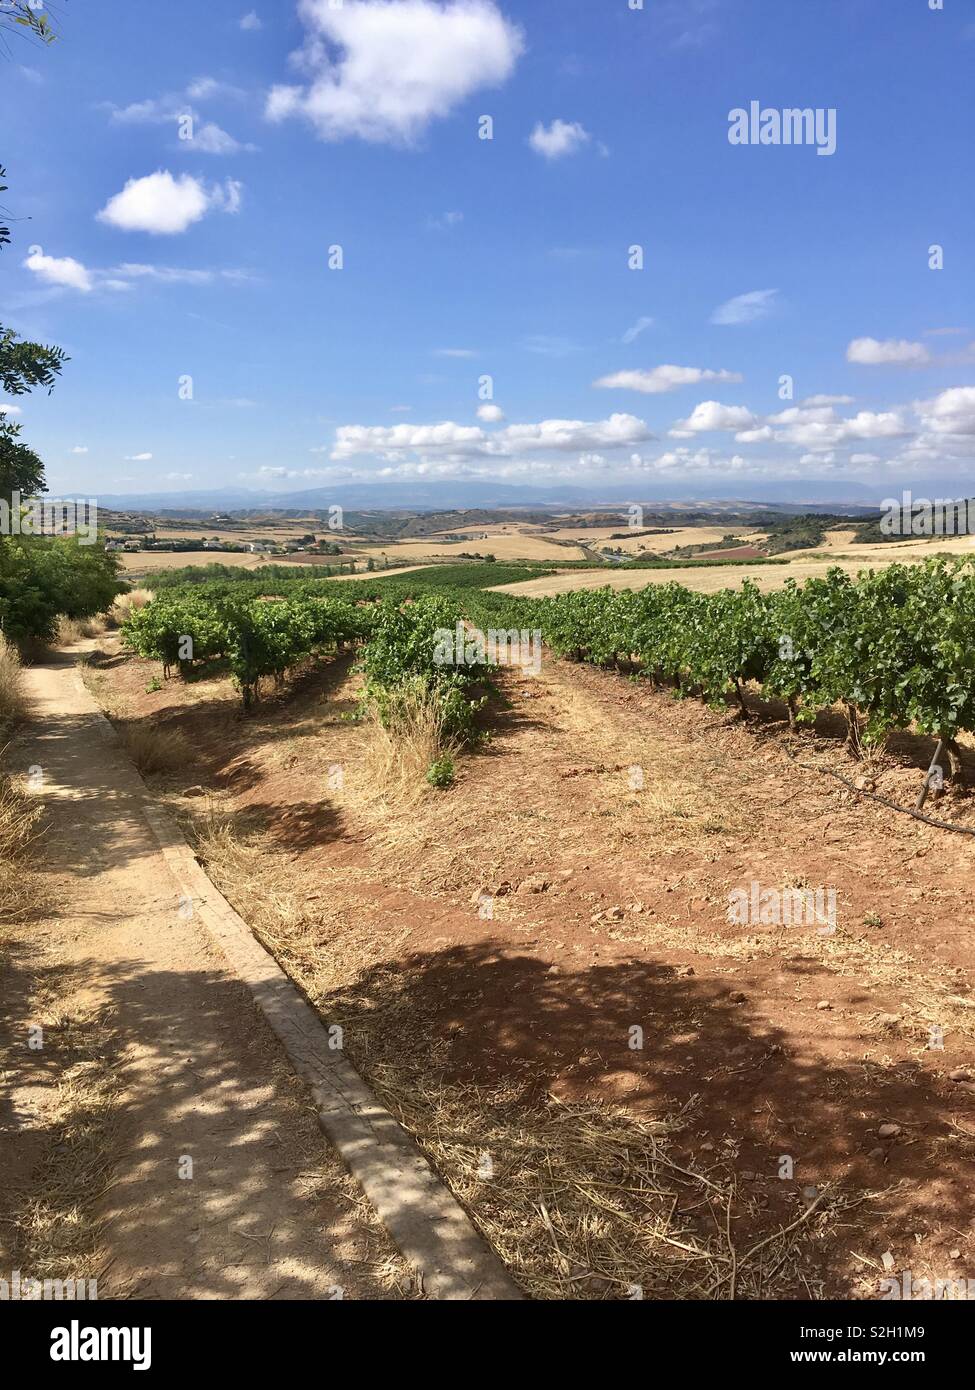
pixel 892 648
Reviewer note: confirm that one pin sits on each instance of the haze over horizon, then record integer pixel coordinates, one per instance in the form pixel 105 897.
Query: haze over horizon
pixel 283 259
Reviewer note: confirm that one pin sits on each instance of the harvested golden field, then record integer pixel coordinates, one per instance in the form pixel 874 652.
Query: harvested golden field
pixel 512 546
pixel 703 579
pixel 660 544
pixel 138 562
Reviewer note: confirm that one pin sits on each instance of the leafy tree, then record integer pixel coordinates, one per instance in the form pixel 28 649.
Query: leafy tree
pixel 21 470
pixel 23 366
pixel 42 578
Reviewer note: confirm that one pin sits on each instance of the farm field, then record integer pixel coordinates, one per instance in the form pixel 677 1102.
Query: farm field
pixel 510 1035
pixel 518 545
pixel 681 535
pixel 145 561
pixel 706 580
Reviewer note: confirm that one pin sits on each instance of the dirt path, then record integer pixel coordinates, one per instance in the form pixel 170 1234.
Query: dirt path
pixel 153 1055
pixel 605 825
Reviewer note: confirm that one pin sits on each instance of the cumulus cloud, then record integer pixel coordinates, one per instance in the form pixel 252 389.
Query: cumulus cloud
pixel 559 139
pixel 80 449
pixel 470 441
pixel 384 70
pixel 196 136
pixel 490 414
pixel 658 380
pixel 712 415
pixel 896 352
pixel 210 138
pixel 382 439
pixel 618 430
pixel 251 22
pixel 828 400
pixel 819 427
pixel 745 308
pixel 950 413
pixel 165 206
pixel 138 458
pixel 60 270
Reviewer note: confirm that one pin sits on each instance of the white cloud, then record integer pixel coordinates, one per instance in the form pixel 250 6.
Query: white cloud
pixel 545 345
pixel 470 441
pixel 618 430
pixel 138 458
pixel 180 275
pixel 745 308
pixel 761 434
pixel 9 409
pixel 60 270
pixel 818 427
pixel 871 352
pixel 210 138
pixel 658 380
pixel 490 414
pixel 80 449
pixel 164 205
pixel 384 71
pixel 828 400
pixel 444 223
pixel 864 458
pixel 251 22
pixel 558 139
pixel 950 413
pixel 381 439
pixel 712 415
pixel 632 333
pixel 454 352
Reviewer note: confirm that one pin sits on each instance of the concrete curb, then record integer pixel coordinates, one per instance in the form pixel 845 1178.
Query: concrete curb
pixel 423 1218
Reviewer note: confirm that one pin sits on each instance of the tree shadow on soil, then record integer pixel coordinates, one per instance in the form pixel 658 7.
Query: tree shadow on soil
pixel 479 1015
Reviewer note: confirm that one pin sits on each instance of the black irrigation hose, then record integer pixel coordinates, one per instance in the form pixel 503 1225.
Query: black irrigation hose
pixel 884 801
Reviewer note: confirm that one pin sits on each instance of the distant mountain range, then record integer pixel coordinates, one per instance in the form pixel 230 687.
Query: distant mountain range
pixel 439 496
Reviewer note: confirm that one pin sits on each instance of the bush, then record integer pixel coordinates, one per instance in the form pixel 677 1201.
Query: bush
pixel 153 749
pixel 41 579
pixel 441 773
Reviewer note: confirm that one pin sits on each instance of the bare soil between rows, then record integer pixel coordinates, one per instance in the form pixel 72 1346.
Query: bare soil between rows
pixel 800 1074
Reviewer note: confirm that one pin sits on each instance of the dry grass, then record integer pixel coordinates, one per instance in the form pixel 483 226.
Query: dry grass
pixel 54 1225
pixel 13 703
pixel 71 630
pixel 155 749
pixel 401 747
pixel 19 828
pixel 127 603
pixel 581 1201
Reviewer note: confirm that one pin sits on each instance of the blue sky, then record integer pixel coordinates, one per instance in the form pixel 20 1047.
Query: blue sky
pixel 152 259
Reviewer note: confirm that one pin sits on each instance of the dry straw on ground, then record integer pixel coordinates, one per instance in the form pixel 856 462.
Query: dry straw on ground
pixel 13 705
pixel 155 749
pixel 402 746
pixel 582 1201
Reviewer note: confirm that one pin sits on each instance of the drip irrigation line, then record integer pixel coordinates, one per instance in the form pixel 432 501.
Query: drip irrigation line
pixel 884 800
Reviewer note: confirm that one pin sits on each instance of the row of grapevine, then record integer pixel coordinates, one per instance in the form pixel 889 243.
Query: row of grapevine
pixel 895 647
pixel 405 655
pixel 258 637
